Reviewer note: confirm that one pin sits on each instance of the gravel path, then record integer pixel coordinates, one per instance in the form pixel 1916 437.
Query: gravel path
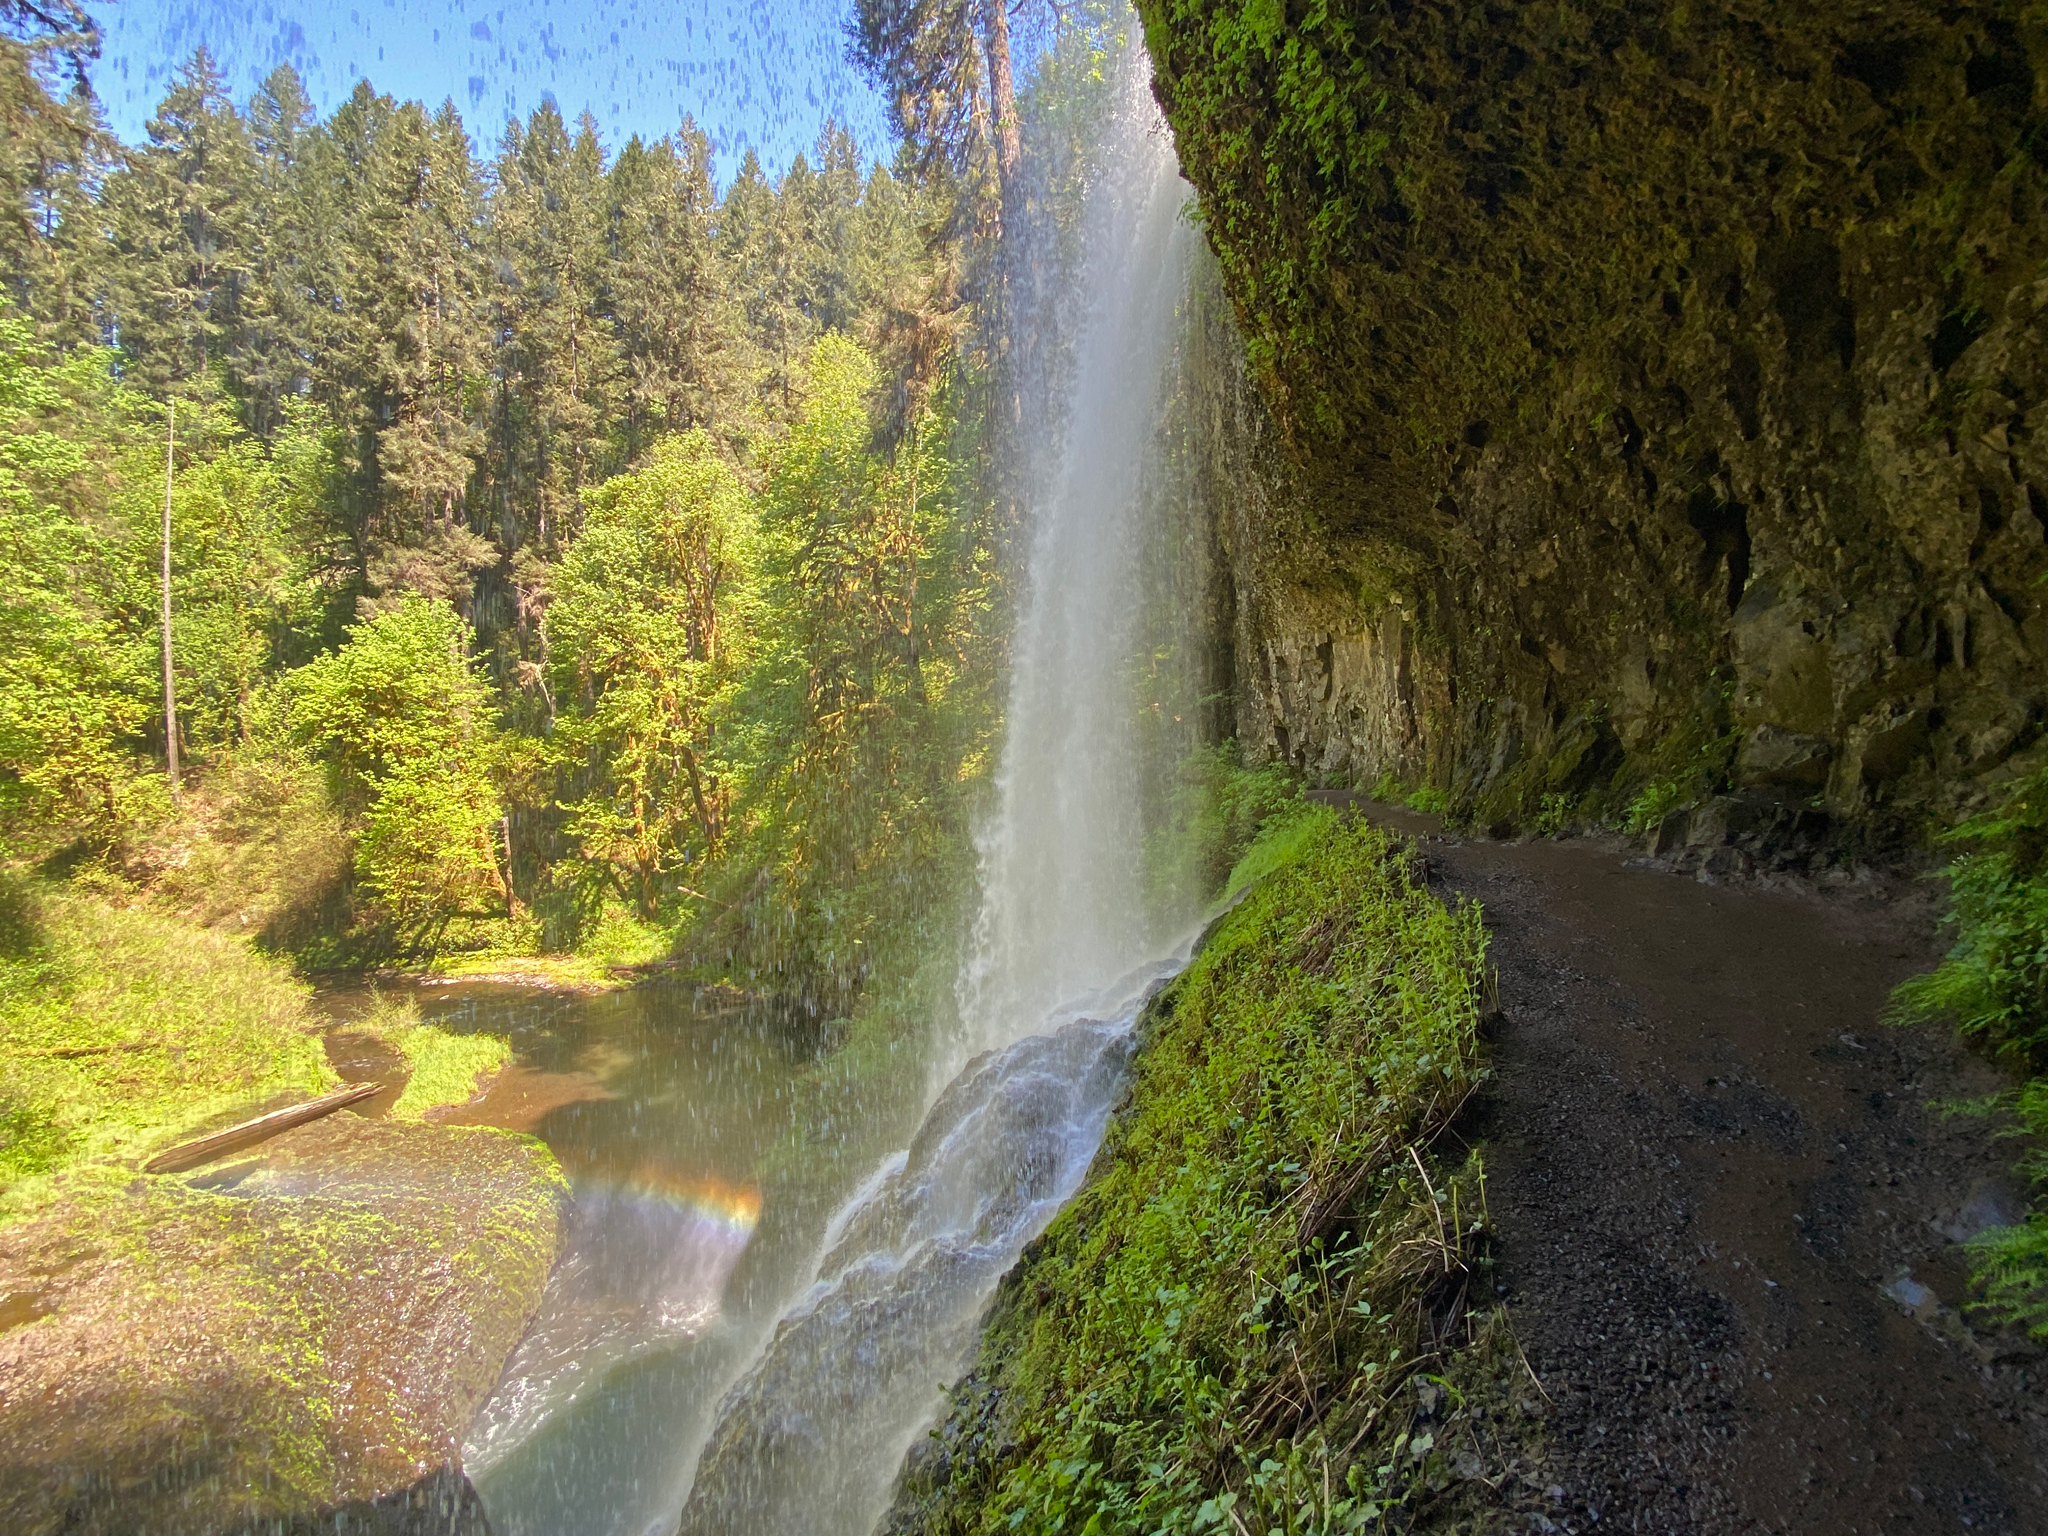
pixel 1727 1213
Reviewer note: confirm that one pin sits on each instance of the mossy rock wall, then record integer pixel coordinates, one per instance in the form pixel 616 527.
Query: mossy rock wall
pixel 1635 395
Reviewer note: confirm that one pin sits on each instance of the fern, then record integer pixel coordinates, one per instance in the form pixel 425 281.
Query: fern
pixel 1994 984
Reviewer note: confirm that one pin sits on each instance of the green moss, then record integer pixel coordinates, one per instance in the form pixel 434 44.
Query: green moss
pixel 1223 1327
pixel 1594 337
pixel 326 1321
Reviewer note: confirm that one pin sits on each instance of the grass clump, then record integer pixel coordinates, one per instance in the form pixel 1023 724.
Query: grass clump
pixel 1226 1328
pixel 1994 984
pixel 123 1030
pixel 442 1067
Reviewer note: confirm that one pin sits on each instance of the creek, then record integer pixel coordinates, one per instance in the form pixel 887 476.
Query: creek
pixel 744 1336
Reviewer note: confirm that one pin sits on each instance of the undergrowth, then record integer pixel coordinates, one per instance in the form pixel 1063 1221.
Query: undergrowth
pixel 1218 808
pixel 1227 1328
pixel 1994 984
pixel 122 1029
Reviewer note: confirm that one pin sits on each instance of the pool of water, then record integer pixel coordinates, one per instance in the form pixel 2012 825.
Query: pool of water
pixel 695 1213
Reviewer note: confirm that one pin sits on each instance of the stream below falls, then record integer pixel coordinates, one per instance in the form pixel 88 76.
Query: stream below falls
pixel 722 1336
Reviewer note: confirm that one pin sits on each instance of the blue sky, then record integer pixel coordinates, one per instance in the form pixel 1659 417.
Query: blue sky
pixel 763 75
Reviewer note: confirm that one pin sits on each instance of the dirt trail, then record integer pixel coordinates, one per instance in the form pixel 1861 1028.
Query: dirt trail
pixel 1727 1213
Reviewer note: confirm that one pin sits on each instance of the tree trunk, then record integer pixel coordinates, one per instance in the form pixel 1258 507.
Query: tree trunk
pixel 170 683
pixel 1009 144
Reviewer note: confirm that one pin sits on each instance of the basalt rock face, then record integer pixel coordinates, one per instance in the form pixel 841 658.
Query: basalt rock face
pixel 1640 403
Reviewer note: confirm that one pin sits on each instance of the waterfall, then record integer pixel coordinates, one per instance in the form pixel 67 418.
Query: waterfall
pixel 1063 906
pixel 811 1435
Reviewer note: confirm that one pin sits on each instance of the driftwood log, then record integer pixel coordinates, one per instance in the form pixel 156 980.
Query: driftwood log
pixel 191 1154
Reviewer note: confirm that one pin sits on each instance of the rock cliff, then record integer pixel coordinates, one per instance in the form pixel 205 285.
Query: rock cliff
pixel 1637 405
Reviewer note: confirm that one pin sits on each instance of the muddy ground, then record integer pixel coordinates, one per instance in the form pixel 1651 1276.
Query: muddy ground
pixel 1727 1213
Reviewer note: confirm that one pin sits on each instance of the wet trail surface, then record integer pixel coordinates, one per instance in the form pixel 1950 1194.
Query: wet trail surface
pixel 1727 1212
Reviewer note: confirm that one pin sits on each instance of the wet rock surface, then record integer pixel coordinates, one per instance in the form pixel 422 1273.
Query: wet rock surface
pixel 1637 396
pixel 293 1340
pixel 1727 1213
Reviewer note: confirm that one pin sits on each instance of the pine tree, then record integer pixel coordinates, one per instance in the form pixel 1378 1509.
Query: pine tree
pixel 669 293
pixel 403 354
pixel 421 225
pixel 946 67
pixel 183 211
pixel 290 247
pixel 53 153
pixel 559 370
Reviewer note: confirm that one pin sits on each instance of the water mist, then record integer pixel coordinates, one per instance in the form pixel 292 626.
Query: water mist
pixel 1063 953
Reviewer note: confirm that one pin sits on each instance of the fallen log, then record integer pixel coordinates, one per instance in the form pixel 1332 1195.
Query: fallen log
pixel 191 1154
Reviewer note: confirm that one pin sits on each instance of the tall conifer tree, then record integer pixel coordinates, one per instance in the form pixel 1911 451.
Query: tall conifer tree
pixel 183 212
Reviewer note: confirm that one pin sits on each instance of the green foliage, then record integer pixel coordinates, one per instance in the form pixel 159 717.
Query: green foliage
pixel 259 850
pixel 1656 800
pixel 1218 808
pixel 1993 984
pixel 1284 840
pixel 541 416
pixel 403 723
pixel 1430 800
pixel 70 702
pixel 1554 814
pixel 1264 1215
pixel 863 725
pixel 426 842
pixel 648 637
pixel 121 1031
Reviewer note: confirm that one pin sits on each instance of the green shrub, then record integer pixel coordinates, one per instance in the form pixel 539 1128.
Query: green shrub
pixel 1994 984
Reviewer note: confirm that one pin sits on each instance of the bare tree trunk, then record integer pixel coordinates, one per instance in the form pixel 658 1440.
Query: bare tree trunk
pixel 511 897
pixel 170 683
pixel 1009 144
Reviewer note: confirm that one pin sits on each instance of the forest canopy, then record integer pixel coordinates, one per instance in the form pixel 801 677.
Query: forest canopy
pixel 553 548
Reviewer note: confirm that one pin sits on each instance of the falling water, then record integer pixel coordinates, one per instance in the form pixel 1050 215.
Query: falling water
pixel 811 1434
pixel 1063 906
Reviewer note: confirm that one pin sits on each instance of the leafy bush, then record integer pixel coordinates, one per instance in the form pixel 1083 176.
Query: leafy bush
pixel 404 726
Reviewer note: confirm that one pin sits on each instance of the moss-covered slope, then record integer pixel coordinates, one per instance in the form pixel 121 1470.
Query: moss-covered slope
pixel 1269 1256
pixel 1660 390
pixel 304 1327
